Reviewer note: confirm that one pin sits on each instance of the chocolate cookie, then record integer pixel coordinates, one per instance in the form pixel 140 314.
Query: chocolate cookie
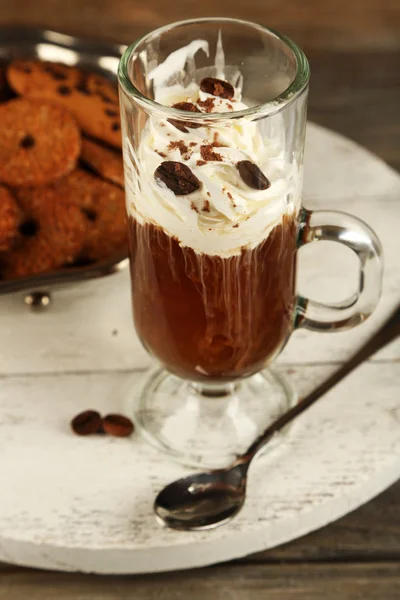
pixel 91 98
pixel 39 142
pixel 105 162
pixel 10 220
pixel 54 232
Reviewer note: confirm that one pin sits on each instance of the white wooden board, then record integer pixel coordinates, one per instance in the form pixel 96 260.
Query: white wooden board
pixel 86 504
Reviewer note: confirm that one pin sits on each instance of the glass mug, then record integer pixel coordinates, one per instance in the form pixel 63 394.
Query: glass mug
pixel 213 124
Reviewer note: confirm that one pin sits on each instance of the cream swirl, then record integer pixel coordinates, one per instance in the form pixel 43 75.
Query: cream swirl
pixel 224 215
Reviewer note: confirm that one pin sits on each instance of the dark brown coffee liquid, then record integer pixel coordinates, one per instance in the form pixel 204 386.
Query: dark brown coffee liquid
pixel 210 318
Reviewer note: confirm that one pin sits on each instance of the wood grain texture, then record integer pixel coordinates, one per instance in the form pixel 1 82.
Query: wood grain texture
pixel 375 581
pixel 357 25
pixel 354 50
pixel 358 95
pixel 370 533
pixel 353 47
pixel 88 505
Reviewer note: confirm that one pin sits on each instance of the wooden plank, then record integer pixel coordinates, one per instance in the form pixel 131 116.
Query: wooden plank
pixel 372 532
pixel 87 504
pixel 353 47
pixel 345 92
pixel 361 24
pixel 372 581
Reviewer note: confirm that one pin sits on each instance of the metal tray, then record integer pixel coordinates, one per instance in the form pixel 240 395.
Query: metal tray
pixel 22 42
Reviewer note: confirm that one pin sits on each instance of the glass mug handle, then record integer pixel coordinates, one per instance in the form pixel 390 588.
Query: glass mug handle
pixel 340 227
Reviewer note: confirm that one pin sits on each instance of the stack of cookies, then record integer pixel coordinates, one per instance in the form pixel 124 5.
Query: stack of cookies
pixel 61 175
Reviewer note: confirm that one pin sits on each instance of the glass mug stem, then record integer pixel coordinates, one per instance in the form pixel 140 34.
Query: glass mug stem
pixel 334 226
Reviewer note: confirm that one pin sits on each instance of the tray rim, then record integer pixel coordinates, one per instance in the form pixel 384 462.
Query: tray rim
pixel 30 37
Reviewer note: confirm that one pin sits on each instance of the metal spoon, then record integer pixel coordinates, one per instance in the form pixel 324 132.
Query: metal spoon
pixel 206 500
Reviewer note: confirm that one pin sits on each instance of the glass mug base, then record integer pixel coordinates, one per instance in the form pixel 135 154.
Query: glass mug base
pixel 208 426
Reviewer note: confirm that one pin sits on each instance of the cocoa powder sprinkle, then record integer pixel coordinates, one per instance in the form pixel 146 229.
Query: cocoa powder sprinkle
pixel 207 105
pixel 194 207
pixel 200 163
pixel 207 153
pixel 206 206
pixel 216 143
pixel 179 145
pixel 181 125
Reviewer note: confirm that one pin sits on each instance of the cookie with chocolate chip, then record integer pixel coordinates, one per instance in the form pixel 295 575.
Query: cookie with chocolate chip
pixel 52 234
pixel 103 205
pixel 39 142
pixel 10 219
pixel 107 163
pixel 26 76
pixel 92 99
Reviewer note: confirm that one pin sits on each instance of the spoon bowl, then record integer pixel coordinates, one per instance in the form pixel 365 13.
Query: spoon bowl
pixel 206 500
pixel 203 501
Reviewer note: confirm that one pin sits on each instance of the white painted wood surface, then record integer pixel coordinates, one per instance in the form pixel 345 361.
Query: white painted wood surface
pixel 86 504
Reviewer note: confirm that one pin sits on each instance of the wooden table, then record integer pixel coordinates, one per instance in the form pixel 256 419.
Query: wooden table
pixel 356 557
pixel 354 49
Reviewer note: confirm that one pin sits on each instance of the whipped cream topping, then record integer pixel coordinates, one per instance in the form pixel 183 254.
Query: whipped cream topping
pixel 224 215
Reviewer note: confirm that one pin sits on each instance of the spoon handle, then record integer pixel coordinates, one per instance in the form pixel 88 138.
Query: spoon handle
pixel 389 331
